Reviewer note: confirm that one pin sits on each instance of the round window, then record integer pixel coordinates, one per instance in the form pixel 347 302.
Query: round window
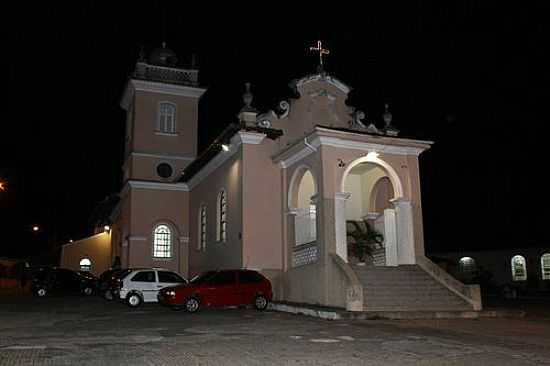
pixel 164 170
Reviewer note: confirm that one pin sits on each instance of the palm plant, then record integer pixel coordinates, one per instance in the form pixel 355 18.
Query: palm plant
pixel 365 239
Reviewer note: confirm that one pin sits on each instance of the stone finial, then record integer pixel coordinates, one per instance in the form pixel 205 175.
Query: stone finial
pixel 248 113
pixel 141 54
pixel 247 97
pixel 387 116
pixel 389 129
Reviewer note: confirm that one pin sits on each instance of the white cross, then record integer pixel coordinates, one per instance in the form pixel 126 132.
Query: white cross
pixel 321 51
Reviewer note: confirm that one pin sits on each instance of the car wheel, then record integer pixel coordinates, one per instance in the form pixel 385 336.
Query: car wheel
pixel 260 302
pixel 133 300
pixel 192 305
pixel 108 295
pixel 88 291
pixel 41 292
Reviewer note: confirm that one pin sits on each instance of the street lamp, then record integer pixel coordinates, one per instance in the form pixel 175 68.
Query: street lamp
pixel 35 228
pixel 2 185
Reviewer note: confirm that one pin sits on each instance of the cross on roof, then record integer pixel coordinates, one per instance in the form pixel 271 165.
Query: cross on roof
pixel 322 51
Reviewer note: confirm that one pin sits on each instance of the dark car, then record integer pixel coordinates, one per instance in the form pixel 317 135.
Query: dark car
pixel 107 284
pixel 61 280
pixel 110 282
pixel 220 288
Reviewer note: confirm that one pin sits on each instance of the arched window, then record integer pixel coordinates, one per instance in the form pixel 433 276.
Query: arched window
pixel 221 225
pixel 519 268
pixel 467 265
pixel 167 118
pixel 202 228
pixel 85 264
pixel 162 241
pixel 545 266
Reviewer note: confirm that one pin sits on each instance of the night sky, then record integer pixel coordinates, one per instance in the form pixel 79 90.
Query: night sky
pixel 458 75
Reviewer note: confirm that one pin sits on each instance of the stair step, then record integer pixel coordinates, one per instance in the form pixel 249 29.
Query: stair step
pixel 405 288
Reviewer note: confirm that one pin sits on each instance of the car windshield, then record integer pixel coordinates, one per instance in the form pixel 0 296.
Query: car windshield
pixel 203 277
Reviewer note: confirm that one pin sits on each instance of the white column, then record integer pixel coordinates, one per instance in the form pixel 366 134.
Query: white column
pixel 390 237
pixel 340 224
pixel 405 231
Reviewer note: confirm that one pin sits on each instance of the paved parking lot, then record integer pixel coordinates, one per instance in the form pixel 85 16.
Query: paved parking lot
pixel 91 331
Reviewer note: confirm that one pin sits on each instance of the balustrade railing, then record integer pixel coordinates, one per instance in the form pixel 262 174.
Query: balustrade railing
pixel 163 74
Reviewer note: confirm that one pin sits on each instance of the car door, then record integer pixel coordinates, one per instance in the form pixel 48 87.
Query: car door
pixel 145 282
pixel 221 290
pixel 248 287
pixel 169 278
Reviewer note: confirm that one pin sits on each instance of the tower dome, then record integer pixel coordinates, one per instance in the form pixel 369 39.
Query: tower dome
pixel 163 56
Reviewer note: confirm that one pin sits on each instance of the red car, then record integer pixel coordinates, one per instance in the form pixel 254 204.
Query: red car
pixel 219 288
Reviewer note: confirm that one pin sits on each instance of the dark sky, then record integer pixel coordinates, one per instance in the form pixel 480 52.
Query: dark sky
pixel 469 77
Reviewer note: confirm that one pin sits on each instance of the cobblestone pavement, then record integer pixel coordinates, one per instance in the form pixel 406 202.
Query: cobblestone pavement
pixel 90 331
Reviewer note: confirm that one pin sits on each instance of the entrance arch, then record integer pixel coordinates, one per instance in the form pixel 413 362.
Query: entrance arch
pixel 371 192
pixel 372 157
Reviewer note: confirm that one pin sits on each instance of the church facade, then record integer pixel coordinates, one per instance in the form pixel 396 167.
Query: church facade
pixel 276 192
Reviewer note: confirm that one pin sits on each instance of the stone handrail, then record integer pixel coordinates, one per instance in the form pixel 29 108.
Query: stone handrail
pixel 469 293
pixel 354 290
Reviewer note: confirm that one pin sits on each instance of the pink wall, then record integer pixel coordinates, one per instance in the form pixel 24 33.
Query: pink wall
pixel 218 255
pixel 151 207
pixel 262 207
pixel 146 114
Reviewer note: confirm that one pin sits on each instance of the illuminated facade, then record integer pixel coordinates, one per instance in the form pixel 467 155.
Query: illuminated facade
pixel 274 192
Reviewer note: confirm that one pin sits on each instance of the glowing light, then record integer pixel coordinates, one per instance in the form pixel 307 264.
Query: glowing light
pixel 372 155
pixel 225 147
pixel 35 228
pixel 70 240
pixel 106 228
pixel 2 186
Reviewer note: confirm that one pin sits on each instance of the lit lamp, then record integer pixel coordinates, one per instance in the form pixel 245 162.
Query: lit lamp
pixel 35 228
pixel 2 186
pixel 106 228
pixel 225 147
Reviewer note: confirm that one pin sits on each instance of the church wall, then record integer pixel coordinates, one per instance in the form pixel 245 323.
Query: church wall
pixel 262 210
pixel 218 255
pixel 146 113
pixel 149 208
pixel 123 225
pixel 97 248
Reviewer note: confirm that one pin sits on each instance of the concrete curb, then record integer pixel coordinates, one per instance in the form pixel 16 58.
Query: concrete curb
pixel 337 314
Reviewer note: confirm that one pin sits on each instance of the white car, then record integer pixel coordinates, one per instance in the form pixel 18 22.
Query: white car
pixel 141 285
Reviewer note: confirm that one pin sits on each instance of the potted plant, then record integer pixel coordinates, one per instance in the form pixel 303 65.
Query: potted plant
pixel 364 240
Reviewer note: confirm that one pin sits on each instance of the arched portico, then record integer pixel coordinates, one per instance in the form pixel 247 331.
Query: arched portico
pixel 372 191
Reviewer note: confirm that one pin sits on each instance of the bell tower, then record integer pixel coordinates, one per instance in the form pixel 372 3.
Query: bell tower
pixel 161 103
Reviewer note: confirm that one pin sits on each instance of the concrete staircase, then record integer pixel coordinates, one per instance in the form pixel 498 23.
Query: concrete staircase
pixel 405 288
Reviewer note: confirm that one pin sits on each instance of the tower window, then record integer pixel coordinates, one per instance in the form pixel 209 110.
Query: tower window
pixel 162 242
pixel 167 118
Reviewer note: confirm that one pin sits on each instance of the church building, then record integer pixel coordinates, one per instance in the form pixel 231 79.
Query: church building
pixel 285 192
